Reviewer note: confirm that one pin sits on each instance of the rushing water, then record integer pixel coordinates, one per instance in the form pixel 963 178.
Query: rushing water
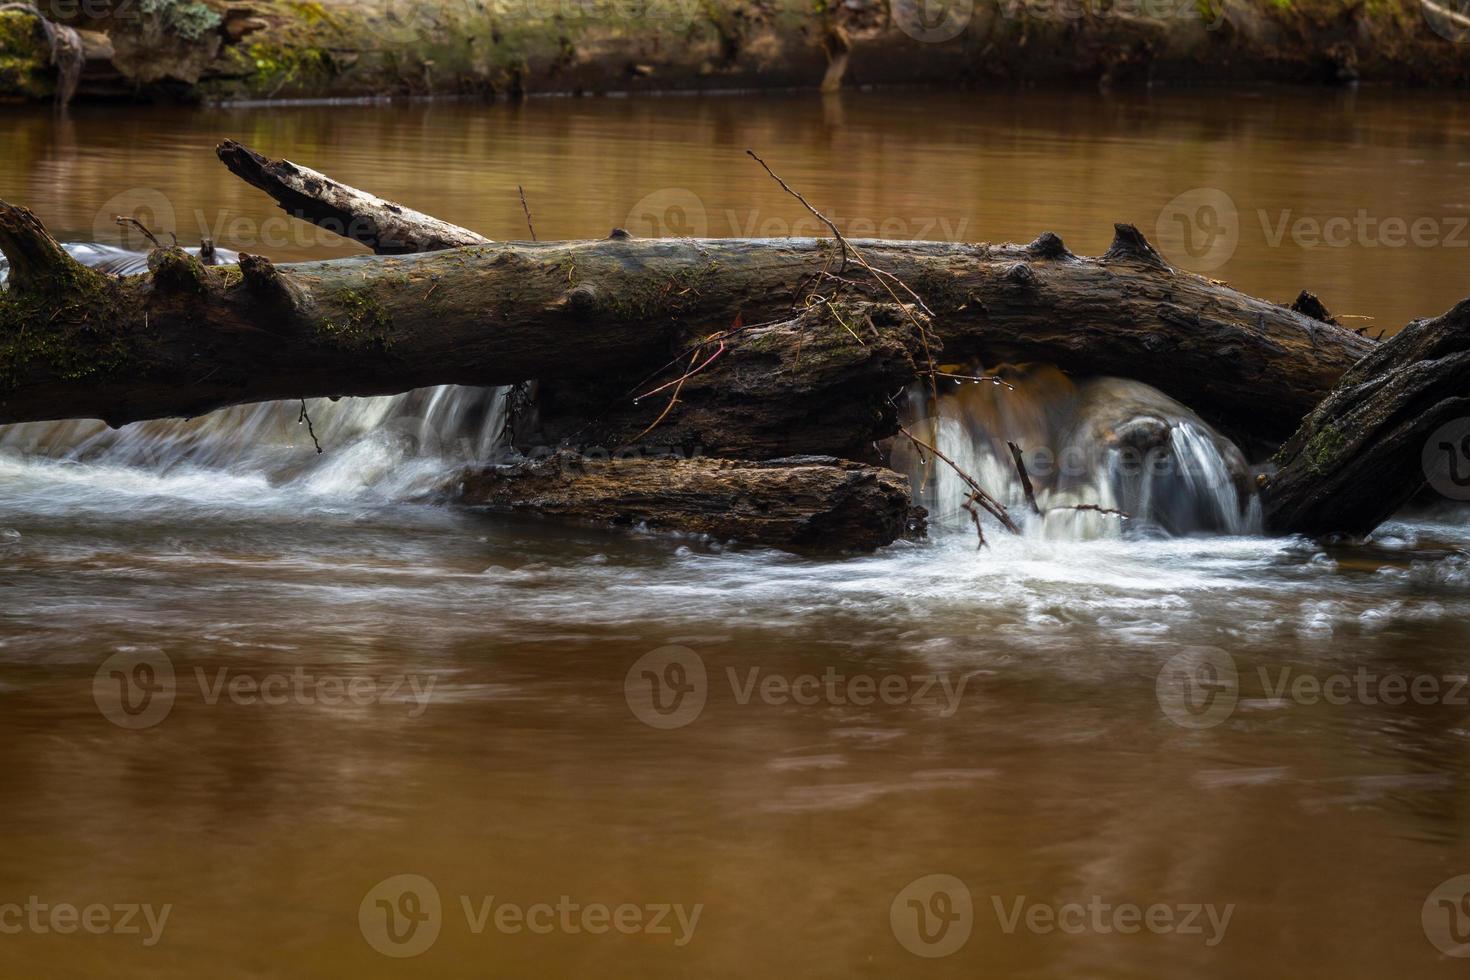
pixel 507 745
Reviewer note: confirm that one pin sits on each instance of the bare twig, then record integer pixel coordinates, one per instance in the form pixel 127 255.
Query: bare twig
pixel 844 324
pixel 993 379
pixel 304 417
pixel 796 194
pixel 977 493
pixel 1025 477
pixel 673 400
pixel 880 276
pixel 527 208
pixel 120 219
pixel 1095 509
pixel 969 505
pixel 685 377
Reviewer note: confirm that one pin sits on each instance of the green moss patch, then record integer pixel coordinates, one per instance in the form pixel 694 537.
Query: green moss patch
pixel 25 58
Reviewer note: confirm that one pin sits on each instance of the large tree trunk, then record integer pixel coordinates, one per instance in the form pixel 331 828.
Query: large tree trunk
pixel 1399 418
pixel 186 339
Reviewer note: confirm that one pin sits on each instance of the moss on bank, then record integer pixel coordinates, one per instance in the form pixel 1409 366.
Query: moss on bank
pixel 320 48
pixel 25 58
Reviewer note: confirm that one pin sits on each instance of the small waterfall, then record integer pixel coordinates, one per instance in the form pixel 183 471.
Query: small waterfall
pixel 1104 443
pixel 393 445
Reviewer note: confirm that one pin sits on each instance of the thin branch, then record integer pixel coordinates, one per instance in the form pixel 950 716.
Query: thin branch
pixel 796 194
pixel 527 208
pixel 969 505
pixel 977 493
pixel 673 400
pixel 304 417
pixel 993 379
pixel 125 221
pixel 683 378
pixel 1025 477
pixel 879 275
pixel 1095 509
pixel 844 324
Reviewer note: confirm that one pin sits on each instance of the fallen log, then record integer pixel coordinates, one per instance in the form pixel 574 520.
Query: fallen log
pixel 812 503
pixel 821 382
pixel 186 339
pixel 383 226
pixel 1397 420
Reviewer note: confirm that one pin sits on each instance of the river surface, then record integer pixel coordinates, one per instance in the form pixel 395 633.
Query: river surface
pixel 253 688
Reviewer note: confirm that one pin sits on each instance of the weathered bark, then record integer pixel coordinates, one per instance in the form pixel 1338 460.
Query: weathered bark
pixel 804 503
pixel 187 339
pixel 383 226
pixel 1380 435
pixel 821 382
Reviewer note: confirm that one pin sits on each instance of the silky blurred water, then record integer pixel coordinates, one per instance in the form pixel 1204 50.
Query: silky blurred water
pixel 499 744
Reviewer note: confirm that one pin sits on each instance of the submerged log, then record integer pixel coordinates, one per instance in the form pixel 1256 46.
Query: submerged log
pixel 803 503
pixel 187 339
pixel 1398 419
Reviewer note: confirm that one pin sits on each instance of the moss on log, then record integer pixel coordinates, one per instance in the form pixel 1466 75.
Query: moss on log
pixel 1394 422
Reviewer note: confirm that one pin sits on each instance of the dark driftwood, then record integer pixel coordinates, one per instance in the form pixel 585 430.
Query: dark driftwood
pixel 383 226
pixel 821 382
pixel 1371 445
pixel 813 502
pixel 187 339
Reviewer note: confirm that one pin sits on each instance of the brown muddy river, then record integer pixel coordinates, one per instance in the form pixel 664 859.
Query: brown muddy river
pixel 262 716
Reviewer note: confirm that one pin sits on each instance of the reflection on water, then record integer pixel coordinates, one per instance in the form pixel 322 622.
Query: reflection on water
pixel 468 698
pixel 1276 171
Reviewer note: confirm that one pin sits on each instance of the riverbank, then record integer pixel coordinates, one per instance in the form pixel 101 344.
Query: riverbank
pixel 175 50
